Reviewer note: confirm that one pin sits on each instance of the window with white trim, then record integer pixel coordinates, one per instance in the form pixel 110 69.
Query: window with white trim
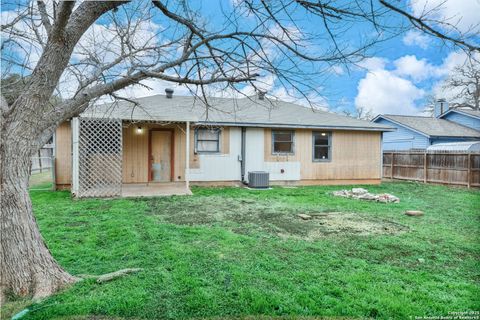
pixel 283 142
pixel 207 140
pixel 322 146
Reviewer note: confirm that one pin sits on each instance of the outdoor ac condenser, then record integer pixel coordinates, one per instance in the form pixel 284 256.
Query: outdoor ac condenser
pixel 258 179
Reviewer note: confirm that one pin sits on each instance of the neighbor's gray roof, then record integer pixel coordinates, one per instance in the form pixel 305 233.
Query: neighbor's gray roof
pixel 227 111
pixel 433 127
pixel 474 113
pixel 456 146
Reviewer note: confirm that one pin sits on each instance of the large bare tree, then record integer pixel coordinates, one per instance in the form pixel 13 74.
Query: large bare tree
pixel 79 52
pixel 464 81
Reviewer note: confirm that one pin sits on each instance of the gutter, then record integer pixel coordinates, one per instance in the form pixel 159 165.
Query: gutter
pixel 293 126
pixel 455 137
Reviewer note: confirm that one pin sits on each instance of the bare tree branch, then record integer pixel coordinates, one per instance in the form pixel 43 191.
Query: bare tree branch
pixel 422 25
pixel 42 9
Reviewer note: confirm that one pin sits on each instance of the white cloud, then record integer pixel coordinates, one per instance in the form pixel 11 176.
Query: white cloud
pixel 463 14
pixel 453 60
pixel 414 37
pixel 373 63
pixel 394 90
pixel 417 70
pixel 381 91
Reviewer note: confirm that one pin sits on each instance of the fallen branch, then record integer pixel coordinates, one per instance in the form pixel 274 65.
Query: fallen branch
pixel 112 275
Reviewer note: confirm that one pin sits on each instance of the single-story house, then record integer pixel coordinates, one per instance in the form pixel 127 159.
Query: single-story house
pixel 465 117
pixel 415 132
pixel 177 139
pixel 419 132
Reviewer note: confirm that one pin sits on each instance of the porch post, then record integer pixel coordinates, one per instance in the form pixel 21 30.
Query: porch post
pixel 187 156
pixel 75 123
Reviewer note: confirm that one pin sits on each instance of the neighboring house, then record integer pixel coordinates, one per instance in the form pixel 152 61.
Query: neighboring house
pixel 416 132
pixel 178 139
pixel 465 117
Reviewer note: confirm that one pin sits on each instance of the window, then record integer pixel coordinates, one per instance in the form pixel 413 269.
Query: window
pixel 322 146
pixel 282 142
pixel 207 140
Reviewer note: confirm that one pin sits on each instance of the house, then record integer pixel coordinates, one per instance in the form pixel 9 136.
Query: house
pixel 468 118
pixel 177 139
pixel 419 132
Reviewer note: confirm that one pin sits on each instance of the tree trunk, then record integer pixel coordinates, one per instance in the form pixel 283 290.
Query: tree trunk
pixel 27 266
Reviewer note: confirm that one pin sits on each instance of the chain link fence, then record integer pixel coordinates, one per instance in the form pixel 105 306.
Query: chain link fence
pixel 42 176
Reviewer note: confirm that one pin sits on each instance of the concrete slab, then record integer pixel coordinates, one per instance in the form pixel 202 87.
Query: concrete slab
pixel 156 189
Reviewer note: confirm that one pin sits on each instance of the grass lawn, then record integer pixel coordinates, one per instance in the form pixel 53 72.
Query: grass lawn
pixel 235 252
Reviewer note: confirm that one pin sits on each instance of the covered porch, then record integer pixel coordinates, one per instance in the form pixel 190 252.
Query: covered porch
pixel 114 157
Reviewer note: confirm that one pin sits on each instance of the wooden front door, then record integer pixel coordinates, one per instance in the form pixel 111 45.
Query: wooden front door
pixel 161 154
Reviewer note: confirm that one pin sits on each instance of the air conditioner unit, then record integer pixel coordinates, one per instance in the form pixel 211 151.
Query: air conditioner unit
pixel 258 179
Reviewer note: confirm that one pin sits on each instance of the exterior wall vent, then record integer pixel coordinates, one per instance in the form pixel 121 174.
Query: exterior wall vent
pixel 258 179
pixel 169 93
pixel 261 95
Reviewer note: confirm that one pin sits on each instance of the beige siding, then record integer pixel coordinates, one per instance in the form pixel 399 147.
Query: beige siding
pixel 135 151
pixel 63 154
pixel 355 155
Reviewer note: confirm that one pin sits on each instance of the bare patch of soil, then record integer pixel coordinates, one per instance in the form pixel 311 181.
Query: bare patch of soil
pixel 245 215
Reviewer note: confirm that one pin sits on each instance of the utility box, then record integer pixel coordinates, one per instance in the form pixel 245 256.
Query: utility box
pixel 258 179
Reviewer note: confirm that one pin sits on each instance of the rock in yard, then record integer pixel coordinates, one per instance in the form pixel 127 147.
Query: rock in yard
pixel 414 213
pixel 386 197
pixel 421 260
pixel 359 191
pixel 304 216
pixel 341 193
pixel 363 194
pixel 367 196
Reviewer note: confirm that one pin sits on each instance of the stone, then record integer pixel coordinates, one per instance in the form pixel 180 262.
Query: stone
pixel 421 260
pixel 367 196
pixel 304 216
pixel 414 213
pixel 363 194
pixel 359 191
pixel 341 193
pixel 385 198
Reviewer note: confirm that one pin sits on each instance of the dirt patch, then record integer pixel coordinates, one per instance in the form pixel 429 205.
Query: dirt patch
pixel 246 216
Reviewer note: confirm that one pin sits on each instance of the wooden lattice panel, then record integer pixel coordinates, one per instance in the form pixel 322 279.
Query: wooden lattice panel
pixel 99 157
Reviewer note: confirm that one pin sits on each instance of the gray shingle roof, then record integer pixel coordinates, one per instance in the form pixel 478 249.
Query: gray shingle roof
pixel 227 111
pixel 474 113
pixel 434 127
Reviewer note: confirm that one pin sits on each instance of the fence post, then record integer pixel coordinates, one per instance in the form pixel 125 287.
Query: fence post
pixel 469 169
pixel 40 160
pixel 54 181
pixel 391 165
pixel 425 171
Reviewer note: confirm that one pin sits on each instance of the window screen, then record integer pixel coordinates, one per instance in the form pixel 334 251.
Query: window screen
pixel 322 146
pixel 282 141
pixel 207 140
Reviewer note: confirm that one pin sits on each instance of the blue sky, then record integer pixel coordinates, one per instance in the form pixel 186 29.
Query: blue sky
pixel 402 73
pixel 399 76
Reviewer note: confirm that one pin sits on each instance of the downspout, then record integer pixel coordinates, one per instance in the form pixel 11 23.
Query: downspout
pixel 242 155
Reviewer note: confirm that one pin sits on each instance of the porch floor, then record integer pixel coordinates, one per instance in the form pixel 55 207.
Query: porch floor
pixel 155 189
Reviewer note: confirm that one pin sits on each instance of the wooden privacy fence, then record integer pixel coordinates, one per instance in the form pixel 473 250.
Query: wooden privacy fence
pixel 454 168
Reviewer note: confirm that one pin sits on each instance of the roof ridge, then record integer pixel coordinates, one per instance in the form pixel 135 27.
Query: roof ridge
pixel 410 116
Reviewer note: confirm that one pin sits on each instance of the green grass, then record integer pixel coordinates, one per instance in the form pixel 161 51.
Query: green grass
pixel 234 252
pixel 41 180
